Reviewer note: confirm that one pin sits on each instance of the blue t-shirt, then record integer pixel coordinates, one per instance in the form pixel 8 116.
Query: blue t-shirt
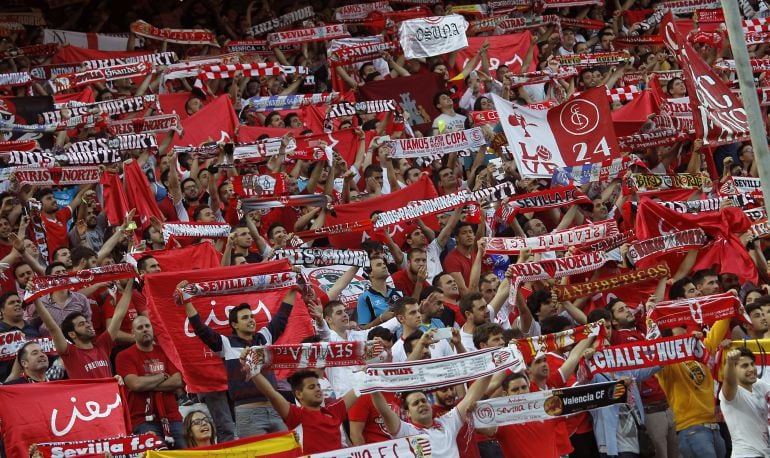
pixel 373 301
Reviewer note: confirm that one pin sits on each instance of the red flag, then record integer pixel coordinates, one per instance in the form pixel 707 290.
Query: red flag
pixel 115 200
pixel 192 257
pixel 344 141
pixel 68 410
pixel 140 196
pixel 216 121
pixel 507 50
pixel 718 113
pixel 74 54
pixel 629 118
pixel 203 370
pixel 348 213
pixel 84 96
pixel 175 103
pixel 724 252
pixel 414 94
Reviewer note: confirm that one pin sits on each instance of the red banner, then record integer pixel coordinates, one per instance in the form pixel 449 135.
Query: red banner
pixel 68 410
pixel 648 353
pixel 718 113
pixel 348 213
pixel 507 50
pixel 697 312
pixel 195 257
pixel 116 446
pixel 202 369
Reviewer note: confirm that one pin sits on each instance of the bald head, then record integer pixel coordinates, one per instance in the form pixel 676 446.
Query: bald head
pixel 143 333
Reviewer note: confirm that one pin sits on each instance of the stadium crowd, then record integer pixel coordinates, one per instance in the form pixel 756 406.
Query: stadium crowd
pixel 206 136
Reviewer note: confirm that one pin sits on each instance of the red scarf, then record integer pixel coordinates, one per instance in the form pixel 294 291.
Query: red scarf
pixel 179 36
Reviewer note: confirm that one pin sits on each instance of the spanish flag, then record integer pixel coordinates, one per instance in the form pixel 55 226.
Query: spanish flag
pixel 276 445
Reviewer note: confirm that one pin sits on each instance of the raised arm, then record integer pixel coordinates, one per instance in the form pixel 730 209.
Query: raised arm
pixel 730 381
pixel 59 341
pixel 113 324
pixel 473 395
pixel 392 421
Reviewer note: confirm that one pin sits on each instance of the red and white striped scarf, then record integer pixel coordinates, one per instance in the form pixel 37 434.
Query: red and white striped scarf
pixel 569 3
pixel 252 185
pixel 357 12
pixel 155 59
pixel 179 36
pixel 342 228
pixel 536 347
pixel 540 77
pixel 308 35
pixel 755 214
pixel 349 55
pixel 11 342
pixel 258 47
pixel 33 17
pixel 686 6
pixel 555 241
pixel 469 139
pixel 211 72
pixel 644 40
pixel 657 137
pixel 670 243
pixel 42 50
pixel 647 353
pixel 757 65
pixel 519 24
pixel 760 230
pixel 584 23
pixel 483 25
pixel 147 124
pixel 109 107
pixel 697 312
pixel 608 244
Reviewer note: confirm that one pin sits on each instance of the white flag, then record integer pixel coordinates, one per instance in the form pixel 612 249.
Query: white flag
pixel 432 36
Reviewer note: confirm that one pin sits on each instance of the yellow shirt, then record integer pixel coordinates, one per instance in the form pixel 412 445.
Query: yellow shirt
pixel 689 386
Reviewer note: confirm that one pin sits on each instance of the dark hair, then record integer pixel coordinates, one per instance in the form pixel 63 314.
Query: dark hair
pixel 371 169
pixel 670 84
pixel 330 306
pixel 142 263
pixel 68 325
pixel 51 266
pixel 536 300
pixel 399 307
pixel 269 117
pixel 437 279
pixel 382 333
pixel 511 377
pixel 483 333
pixel 600 314
pixel 460 225
pixel 22 353
pixel 7 295
pixel 466 302
pixel 371 246
pixel 477 103
pixel 755 290
pixel 554 324
pixel 611 304
pixel 232 317
pixel 700 276
pixel 415 251
pixel 42 192
pixel 428 291
pixel 181 185
pixel 198 210
pixel 756 305
pixel 405 395
pixel 409 341
pixel 187 428
pixel 677 289
pixel 747 353
pixel 361 69
pixel 438 95
pixel 273 227
pixel 81 252
pixel 315 338
pixel 297 379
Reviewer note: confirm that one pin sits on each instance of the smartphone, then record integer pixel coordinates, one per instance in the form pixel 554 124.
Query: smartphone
pixel 442 333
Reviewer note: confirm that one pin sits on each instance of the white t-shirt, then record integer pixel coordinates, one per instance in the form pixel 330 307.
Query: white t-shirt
pixel 341 378
pixel 433 252
pixel 746 418
pixel 439 349
pixel 453 123
pixel 443 441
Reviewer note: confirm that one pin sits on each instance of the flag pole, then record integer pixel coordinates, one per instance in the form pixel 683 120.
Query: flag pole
pixel 749 95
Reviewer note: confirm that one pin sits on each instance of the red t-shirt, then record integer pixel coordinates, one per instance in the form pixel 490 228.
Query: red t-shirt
pixel 401 281
pixel 320 428
pixel 56 229
pixel 528 440
pixel 576 424
pixel 134 309
pixel 561 439
pixel 458 262
pixel 650 388
pixel 133 361
pixel 93 363
pixel 374 426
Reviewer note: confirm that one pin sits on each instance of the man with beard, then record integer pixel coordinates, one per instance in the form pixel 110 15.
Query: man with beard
pixel 151 379
pixel 659 416
pixel 84 356
pixel 458 262
pixel 419 238
pixel 33 363
pixel 707 282
pixel 320 424
pixel 744 404
pixel 411 280
pixel 90 231
pixel 55 219
pixel 444 400
pixel 758 319
pixel 12 319
pixel 373 305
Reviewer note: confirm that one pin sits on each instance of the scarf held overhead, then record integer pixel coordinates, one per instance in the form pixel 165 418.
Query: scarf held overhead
pixel 46 284
pixel 178 36
pixel 555 241
pixel 312 355
pixel 574 291
pixel 648 353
